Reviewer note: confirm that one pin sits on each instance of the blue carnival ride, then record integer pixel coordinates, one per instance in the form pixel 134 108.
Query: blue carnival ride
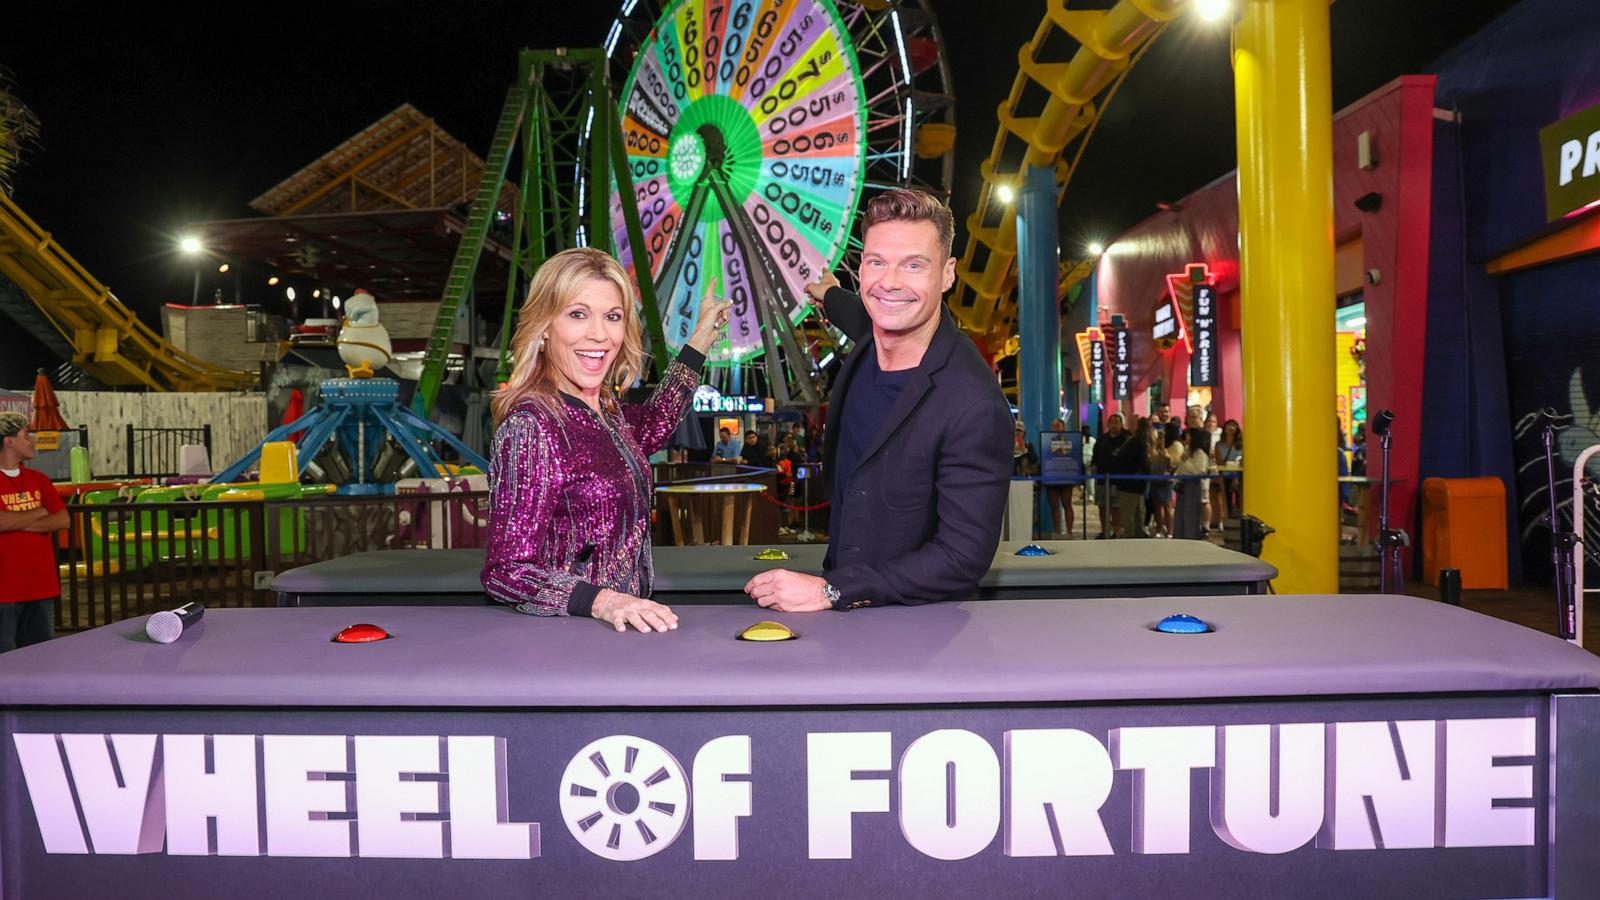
pixel 360 438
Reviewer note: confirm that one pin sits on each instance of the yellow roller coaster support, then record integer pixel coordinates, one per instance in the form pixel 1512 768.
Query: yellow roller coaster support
pixel 108 341
pixel 1284 103
pixel 1107 40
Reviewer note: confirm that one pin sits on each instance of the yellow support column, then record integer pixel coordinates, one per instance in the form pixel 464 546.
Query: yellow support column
pixel 1284 110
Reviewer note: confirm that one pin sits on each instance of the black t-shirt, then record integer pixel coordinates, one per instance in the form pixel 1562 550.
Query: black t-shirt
pixel 1105 452
pixel 871 395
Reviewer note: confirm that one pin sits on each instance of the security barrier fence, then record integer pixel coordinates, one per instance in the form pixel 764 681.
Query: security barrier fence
pixel 120 560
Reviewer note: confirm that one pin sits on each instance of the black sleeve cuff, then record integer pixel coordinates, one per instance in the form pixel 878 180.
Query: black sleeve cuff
pixel 581 603
pixel 852 591
pixel 692 358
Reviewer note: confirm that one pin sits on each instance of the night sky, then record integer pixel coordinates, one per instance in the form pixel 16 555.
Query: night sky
pixel 154 120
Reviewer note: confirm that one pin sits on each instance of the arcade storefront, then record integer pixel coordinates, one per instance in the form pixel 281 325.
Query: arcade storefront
pixel 1467 233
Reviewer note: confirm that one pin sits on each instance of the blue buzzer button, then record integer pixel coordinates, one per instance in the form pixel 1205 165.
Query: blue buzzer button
pixel 1034 550
pixel 1183 624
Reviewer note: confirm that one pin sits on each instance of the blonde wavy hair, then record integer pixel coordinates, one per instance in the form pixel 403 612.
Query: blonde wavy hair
pixel 558 281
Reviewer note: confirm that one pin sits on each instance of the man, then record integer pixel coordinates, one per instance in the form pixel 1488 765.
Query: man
pixel 915 456
pixel 30 512
pixel 727 449
pixel 1102 462
pixel 755 451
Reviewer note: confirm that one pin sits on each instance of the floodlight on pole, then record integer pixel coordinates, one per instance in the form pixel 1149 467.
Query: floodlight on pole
pixel 1096 248
pixel 190 245
pixel 1213 10
pixel 1005 193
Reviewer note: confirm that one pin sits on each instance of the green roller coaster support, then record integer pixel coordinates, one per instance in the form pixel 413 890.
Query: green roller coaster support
pixel 630 219
pixel 563 113
pixel 570 155
pixel 465 265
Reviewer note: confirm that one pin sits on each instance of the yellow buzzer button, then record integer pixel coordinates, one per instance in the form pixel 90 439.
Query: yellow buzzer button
pixel 772 553
pixel 767 631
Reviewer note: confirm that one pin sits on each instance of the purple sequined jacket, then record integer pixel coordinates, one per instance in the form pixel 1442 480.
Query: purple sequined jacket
pixel 570 495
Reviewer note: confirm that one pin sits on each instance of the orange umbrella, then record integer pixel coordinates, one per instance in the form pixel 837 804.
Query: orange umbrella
pixel 46 411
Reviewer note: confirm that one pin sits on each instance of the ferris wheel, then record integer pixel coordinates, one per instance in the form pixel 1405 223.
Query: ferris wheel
pixel 754 130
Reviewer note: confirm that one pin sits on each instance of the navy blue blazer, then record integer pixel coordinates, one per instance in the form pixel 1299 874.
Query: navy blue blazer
pixel 919 520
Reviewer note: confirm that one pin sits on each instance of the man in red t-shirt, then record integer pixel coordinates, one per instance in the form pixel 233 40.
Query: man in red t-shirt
pixel 30 512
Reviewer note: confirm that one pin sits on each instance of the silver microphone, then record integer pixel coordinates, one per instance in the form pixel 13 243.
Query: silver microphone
pixel 164 627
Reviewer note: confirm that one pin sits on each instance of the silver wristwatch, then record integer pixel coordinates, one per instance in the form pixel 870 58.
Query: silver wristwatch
pixel 830 594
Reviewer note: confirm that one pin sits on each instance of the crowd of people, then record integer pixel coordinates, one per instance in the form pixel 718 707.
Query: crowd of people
pixel 1143 500
pixel 792 448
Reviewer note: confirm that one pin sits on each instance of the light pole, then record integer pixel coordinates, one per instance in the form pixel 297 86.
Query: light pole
pixel 190 246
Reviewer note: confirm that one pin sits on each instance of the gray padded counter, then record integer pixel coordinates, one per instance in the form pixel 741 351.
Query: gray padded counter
pixel 1133 568
pixel 1032 744
pixel 977 652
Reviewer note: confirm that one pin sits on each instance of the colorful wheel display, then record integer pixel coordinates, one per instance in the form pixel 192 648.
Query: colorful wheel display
pixel 744 122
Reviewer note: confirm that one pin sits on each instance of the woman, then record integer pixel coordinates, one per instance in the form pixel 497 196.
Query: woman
pixel 1229 456
pixel 1060 495
pixel 1024 458
pixel 1213 510
pixel 1172 451
pixel 1192 493
pixel 570 486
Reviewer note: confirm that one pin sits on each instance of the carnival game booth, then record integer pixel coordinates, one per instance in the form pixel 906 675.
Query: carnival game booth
pixel 1378 746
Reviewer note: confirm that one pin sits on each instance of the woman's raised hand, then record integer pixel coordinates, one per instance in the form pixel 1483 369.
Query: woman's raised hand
pixel 712 320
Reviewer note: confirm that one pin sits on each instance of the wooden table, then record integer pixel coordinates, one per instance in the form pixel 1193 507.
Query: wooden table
pixel 698 499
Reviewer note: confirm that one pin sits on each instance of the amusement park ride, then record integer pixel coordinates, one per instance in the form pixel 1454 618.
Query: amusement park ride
pixel 359 437
pixel 743 140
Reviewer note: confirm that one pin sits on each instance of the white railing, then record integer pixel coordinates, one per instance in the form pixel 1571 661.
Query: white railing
pixel 1578 552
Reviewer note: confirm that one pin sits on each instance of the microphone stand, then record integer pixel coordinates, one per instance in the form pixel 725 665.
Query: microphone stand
pixel 1563 547
pixel 1391 576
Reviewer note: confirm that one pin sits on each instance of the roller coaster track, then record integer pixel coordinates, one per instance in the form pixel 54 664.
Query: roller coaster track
pixel 79 318
pixel 1108 43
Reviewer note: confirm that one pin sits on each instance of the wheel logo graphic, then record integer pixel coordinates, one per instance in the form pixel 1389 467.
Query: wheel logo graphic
pixel 688 156
pixel 624 798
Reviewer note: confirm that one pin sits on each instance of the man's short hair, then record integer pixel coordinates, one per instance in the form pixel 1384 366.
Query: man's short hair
pixel 911 205
pixel 12 423
pixel 724 431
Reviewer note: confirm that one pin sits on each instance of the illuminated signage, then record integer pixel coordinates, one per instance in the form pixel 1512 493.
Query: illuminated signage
pixel 708 399
pixel 1097 369
pixel 1571 152
pixel 1165 327
pixel 1122 364
pixel 1203 364
pixel 1089 344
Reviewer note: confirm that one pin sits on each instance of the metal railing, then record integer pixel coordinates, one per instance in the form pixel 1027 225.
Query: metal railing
pixel 120 560
pixel 1107 486
pixel 153 452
